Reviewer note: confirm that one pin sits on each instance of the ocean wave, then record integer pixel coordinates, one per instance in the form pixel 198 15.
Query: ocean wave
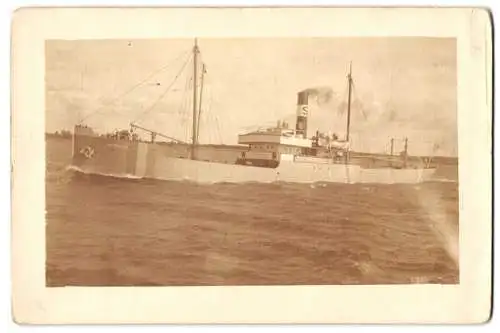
pixel 80 170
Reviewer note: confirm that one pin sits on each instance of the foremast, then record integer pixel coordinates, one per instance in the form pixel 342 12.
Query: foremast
pixel 194 134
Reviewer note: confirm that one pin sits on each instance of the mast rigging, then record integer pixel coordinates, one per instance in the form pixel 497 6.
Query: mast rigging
pixel 349 78
pixel 203 71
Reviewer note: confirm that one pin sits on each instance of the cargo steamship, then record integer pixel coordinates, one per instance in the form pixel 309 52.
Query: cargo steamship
pixel 278 153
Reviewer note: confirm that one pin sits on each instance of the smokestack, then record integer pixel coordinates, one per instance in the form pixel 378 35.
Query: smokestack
pixel 302 113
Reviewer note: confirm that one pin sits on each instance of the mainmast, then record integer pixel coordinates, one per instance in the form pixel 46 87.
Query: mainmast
pixel 349 78
pixel 194 136
pixel 203 71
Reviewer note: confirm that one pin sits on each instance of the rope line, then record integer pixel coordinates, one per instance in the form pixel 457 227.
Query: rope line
pixel 361 108
pixel 141 115
pixel 342 110
pixel 211 121
pixel 99 109
pixel 187 100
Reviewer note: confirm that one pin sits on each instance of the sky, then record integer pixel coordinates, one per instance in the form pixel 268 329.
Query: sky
pixel 403 87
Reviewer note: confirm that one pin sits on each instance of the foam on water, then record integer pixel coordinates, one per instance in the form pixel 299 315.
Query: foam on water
pixel 77 169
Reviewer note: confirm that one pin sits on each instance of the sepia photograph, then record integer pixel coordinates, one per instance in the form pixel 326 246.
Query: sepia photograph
pixel 251 161
pixel 258 160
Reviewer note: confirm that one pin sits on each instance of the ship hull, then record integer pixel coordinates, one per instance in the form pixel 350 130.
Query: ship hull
pixel 169 168
pixel 123 158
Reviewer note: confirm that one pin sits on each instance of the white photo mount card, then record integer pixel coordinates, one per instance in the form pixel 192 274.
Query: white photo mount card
pixel 168 169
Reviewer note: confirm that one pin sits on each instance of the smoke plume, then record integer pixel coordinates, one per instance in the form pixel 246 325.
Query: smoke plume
pixel 322 95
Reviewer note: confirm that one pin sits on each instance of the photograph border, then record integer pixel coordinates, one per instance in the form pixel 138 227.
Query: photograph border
pixel 468 302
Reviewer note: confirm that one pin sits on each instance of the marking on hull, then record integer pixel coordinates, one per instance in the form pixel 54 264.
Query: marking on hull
pixel 88 152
